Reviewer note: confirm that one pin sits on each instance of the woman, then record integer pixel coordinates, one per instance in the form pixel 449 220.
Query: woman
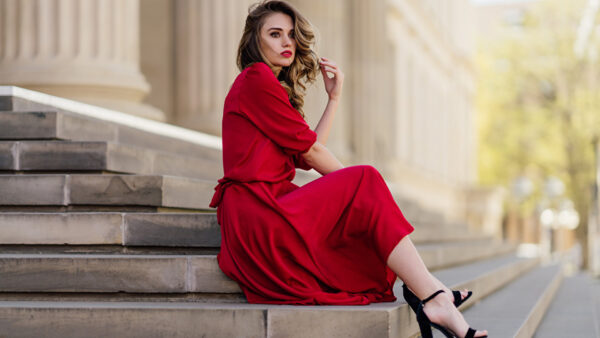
pixel 340 239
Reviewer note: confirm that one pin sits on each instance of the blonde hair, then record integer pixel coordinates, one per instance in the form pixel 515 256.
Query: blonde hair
pixel 304 68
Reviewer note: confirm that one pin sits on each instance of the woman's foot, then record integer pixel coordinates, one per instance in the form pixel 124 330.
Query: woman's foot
pixel 457 297
pixel 441 310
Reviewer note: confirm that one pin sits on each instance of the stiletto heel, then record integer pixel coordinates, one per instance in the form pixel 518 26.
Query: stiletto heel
pixel 425 324
pixel 425 330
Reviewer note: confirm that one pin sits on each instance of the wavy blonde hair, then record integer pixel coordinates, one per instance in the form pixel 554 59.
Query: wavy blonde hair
pixel 304 68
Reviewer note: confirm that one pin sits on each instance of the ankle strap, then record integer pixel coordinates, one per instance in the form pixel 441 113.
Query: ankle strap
pixel 432 296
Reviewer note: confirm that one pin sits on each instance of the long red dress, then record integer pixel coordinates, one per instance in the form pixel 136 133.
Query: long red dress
pixel 326 242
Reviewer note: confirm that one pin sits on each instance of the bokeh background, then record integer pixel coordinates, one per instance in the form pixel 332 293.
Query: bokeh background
pixel 476 112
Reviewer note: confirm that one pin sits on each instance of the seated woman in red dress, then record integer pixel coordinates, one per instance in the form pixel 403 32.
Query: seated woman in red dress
pixel 340 239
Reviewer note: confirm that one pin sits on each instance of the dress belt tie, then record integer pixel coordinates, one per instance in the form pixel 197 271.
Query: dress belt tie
pixel 219 191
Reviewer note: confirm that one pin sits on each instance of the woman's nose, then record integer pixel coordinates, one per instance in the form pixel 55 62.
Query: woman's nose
pixel 287 41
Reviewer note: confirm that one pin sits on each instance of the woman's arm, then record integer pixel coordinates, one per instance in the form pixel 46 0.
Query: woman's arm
pixel 324 125
pixel 321 159
pixel 333 87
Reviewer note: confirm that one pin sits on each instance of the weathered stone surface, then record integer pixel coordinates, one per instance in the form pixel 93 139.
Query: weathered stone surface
pixel 116 189
pixel 179 192
pixel 517 309
pixel 377 320
pixel 169 229
pixel 72 126
pixel 143 320
pixel 62 155
pixel 20 104
pixel 206 276
pixel 30 125
pixel 103 156
pixel 574 311
pixel 7 156
pixel 92 273
pixel 128 135
pixel 486 276
pixel 315 321
pixel 129 159
pixel 32 190
pixel 437 256
pixel 130 229
pixel 188 166
pixel 61 228
pixel 53 272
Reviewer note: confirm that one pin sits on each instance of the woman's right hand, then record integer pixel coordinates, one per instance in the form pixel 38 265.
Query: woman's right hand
pixel 333 85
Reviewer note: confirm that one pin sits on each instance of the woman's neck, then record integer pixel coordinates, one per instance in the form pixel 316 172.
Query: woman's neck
pixel 276 71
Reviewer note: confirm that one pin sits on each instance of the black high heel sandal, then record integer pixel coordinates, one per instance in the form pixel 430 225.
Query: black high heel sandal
pixel 413 301
pixel 425 324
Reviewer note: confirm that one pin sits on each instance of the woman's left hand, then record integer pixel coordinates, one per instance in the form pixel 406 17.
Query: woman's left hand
pixel 333 85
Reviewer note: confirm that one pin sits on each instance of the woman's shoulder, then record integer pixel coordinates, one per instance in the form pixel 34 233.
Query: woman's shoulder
pixel 259 72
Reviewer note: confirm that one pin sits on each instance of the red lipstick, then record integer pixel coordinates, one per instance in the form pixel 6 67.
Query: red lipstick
pixel 286 53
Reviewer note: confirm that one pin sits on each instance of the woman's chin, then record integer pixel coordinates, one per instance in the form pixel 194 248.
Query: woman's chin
pixel 285 63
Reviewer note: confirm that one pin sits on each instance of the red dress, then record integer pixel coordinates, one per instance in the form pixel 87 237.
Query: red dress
pixel 326 242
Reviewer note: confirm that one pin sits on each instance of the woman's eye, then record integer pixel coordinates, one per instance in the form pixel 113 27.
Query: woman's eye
pixel 275 35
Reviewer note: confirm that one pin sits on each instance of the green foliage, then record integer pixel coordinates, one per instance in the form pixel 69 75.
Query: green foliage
pixel 538 102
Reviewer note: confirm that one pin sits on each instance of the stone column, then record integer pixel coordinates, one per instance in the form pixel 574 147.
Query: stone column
pixel 207 33
pixel 330 21
pixel 371 86
pixel 86 50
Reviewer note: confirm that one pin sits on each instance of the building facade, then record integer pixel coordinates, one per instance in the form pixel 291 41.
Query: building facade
pixel 407 104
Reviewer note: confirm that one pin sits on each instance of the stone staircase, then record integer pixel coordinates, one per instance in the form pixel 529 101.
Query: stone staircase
pixel 105 231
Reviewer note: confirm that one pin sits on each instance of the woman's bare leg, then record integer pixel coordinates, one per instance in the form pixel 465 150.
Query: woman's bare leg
pixel 406 262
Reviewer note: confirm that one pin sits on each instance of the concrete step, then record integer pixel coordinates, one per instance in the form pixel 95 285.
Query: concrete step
pixel 27 120
pixel 148 229
pixel 517 309
pixel 67 156
pixel 443 255
pixel 143 190
pixel 134 273
pixel 56 125
pixel 110 269
pixel 59 318
pixel 575 311
pixel 127 229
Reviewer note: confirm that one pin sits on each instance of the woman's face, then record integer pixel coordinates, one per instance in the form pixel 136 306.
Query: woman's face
pixel 277 41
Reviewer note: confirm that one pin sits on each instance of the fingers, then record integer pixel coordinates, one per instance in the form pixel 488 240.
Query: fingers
pixel 326 62
pixel 327 66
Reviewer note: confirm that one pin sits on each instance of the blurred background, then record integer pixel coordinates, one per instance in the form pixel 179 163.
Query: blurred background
pixel 476 112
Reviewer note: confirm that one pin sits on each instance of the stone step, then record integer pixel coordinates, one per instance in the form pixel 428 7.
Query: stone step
pixel 575 311
pixel 28 114
pixel 143 190
pixel 147 229
pixel 443 255
pixel 58 318
pixel 106 269
pixel 134 273
pixel 127 229
pixel 517 309
pixel 67 156
pixel 55 125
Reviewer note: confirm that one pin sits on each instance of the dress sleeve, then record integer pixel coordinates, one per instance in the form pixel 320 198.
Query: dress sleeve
pixel 266 105
pixel 300 163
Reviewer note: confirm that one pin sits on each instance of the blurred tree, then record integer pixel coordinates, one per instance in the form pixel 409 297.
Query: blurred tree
pixel 538 104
